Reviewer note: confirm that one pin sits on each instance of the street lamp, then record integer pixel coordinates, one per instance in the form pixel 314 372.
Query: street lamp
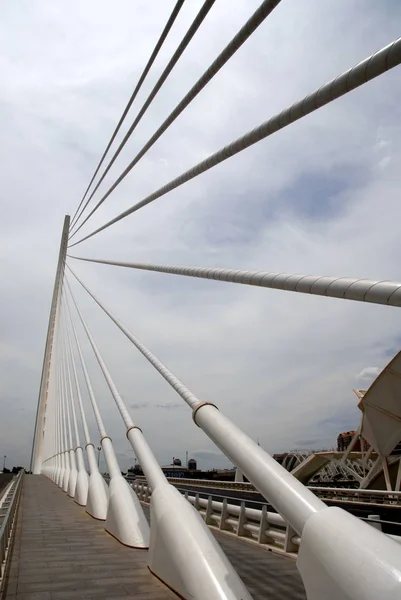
pixel 99 448
pixel 4 462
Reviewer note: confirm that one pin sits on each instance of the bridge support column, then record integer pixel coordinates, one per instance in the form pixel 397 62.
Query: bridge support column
pixel 72 481
pixel 343 558
pixel 125 519
pixel 183 553
pixel 81 489
pixel 98 493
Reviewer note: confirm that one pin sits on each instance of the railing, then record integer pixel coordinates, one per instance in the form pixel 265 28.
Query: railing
pixel 234 485
pixel 257 525
pixel 8 511
pixel 260 526
pixel 335 494
pixel 366 496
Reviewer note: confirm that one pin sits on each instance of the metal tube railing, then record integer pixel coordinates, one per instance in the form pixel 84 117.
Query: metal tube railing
pixel 8 512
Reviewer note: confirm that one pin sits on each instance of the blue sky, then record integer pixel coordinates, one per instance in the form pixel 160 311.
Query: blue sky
pixel 320 197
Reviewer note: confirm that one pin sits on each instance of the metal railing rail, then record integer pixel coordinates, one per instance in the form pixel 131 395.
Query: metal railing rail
pixel 259 526
pixel 8 513
pixel 324 493
pixel 265 528
pixel 5 491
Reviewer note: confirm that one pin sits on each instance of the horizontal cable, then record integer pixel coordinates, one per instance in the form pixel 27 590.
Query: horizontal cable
pixel 235 44
pixel 151 60
pixel 171 64
pixel 365 71
pixel 179 387
pixel 348 288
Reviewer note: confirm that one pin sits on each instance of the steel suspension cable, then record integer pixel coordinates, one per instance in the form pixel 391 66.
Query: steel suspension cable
pixel 171 64
pixel 52 396
pixel 56 396
pixel 141 448
pixel 67 398
pixel 63 447
pixel 151 60
pixel 294 502
pixel 238 40
pixel 67 349
pixel 63 410
pixel 363 290
pixel 96 412
pixel 370 68
pixel 113 389
pixel 77 385
pixel 58 435
pixel 179 387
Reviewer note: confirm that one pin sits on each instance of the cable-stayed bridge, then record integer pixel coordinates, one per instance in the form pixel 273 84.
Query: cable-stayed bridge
pixel 65 532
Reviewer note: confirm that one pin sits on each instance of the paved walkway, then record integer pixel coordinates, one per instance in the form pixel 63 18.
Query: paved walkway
pixel 61 553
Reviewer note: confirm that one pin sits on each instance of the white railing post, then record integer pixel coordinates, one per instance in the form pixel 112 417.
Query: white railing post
pixel 209 511
pixel 241 521
pixel 289 545
pixel 262 537
pixel 223 516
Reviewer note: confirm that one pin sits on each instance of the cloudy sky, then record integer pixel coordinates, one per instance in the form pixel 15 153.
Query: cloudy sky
pixel 320 197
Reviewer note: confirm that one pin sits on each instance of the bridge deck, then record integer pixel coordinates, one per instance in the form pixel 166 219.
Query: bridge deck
pixel 61 553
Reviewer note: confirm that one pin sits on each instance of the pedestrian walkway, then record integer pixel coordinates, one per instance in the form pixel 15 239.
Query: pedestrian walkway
pixel 61 553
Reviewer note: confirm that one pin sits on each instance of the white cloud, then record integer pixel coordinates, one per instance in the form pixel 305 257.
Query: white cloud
pixel 310 199
pixel 368 373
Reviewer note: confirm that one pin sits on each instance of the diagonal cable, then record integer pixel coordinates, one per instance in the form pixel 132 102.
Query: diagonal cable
pixel 179 387
pixel 78 387
pixel 112 387
pixel 348 288
pixel 238 40
pixel 370 68
pixel 172 62
pixel 151 60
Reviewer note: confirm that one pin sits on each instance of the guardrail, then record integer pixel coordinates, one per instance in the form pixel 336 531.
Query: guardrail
pixel 260 526
pixel 234 485
pixel 8 511
pixel 324 493
pixel 358 495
